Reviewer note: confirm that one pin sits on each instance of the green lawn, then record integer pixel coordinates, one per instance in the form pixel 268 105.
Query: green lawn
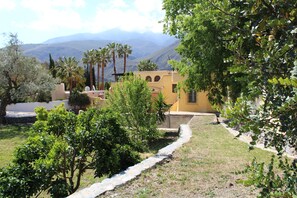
pixel 165 139
pixel 10 137
pixel 204 167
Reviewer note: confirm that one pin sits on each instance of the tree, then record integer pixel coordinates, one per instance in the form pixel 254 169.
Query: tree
pixel 87 75
pixel 131 98
pixel 61 147
pixel 124 52
pixel 203 31
pixel 113 47
pixel 105 58
pixel 147 65
pixel 69 72
pixel 21 77
pixel 245 50
pixel 98 61
pixel 52 66
pixel 79 101
pixel 89 58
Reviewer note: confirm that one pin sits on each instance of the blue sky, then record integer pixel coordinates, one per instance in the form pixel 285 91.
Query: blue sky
pixel 35 21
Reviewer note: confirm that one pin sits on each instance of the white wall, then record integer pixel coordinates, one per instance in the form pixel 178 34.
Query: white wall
pixel 30 106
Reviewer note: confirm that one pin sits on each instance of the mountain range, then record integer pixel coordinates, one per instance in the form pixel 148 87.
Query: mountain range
pixel 157 47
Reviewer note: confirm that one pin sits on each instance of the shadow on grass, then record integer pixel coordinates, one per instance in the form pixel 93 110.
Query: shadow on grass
pixel 11 131
pixel 166 139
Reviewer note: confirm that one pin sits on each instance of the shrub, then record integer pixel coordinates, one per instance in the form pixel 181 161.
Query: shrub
pixel 273 183
pixel 160 107
pixel 131 98
pixel 78 100
pixel 61 147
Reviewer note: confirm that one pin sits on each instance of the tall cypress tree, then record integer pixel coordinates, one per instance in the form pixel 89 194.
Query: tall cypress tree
pixel 52 66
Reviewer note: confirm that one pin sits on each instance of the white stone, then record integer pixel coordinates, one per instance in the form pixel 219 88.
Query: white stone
pixel 133 171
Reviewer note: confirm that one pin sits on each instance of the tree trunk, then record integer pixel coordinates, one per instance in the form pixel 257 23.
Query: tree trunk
pixel 70 85
pixel 114 67
pixel 98 76
pixel 102 73
pixel 3 105
pixel 91 76
pixel 125 62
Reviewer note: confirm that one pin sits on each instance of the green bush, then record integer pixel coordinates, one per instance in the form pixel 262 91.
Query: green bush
pixel 61 147
pixel 273 183
pixel 78 100
pixel 132 100
pixel 160 107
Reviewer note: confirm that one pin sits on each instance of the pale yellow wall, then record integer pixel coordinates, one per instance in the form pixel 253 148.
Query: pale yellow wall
pixel 202 104
pixel 164 85
pixel 59 92
pixel 179 101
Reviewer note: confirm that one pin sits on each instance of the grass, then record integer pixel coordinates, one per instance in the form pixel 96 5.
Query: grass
pixel 165 139
pixel 10 137
pixel 204 167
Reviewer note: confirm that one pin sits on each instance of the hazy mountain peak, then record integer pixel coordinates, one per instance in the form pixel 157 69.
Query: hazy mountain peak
pixel 148 45
pixel 116 35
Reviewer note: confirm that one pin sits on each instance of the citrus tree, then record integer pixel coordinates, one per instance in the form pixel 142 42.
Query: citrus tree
pixel 61 147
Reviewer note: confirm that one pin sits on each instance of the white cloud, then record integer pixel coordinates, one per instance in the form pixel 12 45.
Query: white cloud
pixel 53 20
pixel 7 5
pixel 54 14
pixel 37 5
pixel 147 7
pixel 138 16
pixel 43 19
pixel 119 4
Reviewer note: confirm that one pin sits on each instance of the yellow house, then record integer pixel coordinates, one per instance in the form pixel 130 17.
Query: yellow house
pixel 166 83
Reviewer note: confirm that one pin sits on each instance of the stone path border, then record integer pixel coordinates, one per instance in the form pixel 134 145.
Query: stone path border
pixel 248 139
pixel 134 171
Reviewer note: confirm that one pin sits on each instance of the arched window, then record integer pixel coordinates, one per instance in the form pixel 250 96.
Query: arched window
pixel 157 78
pixel 148 79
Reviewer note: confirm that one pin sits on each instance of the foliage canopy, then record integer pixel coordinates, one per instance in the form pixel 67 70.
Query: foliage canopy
pixel 21 78
pixel 147 65
pixel 244 51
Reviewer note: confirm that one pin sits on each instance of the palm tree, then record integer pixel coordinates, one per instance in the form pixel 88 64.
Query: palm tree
pixel 126 51
pixel 147 65
pixel 98 61
pixel 70 72
pixel 113 47
pixel 89 58
pixel 105 58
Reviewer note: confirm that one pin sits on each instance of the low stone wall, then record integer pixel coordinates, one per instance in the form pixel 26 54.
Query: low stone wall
pixel 30 106
pixel 20 119
pixel 174 121
pixel 134 171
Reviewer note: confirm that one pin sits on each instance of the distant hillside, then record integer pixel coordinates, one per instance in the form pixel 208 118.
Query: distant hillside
pixel 162 56
pixel 116 35
pixel 140 48
pixel 159 57
pixel 157 47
